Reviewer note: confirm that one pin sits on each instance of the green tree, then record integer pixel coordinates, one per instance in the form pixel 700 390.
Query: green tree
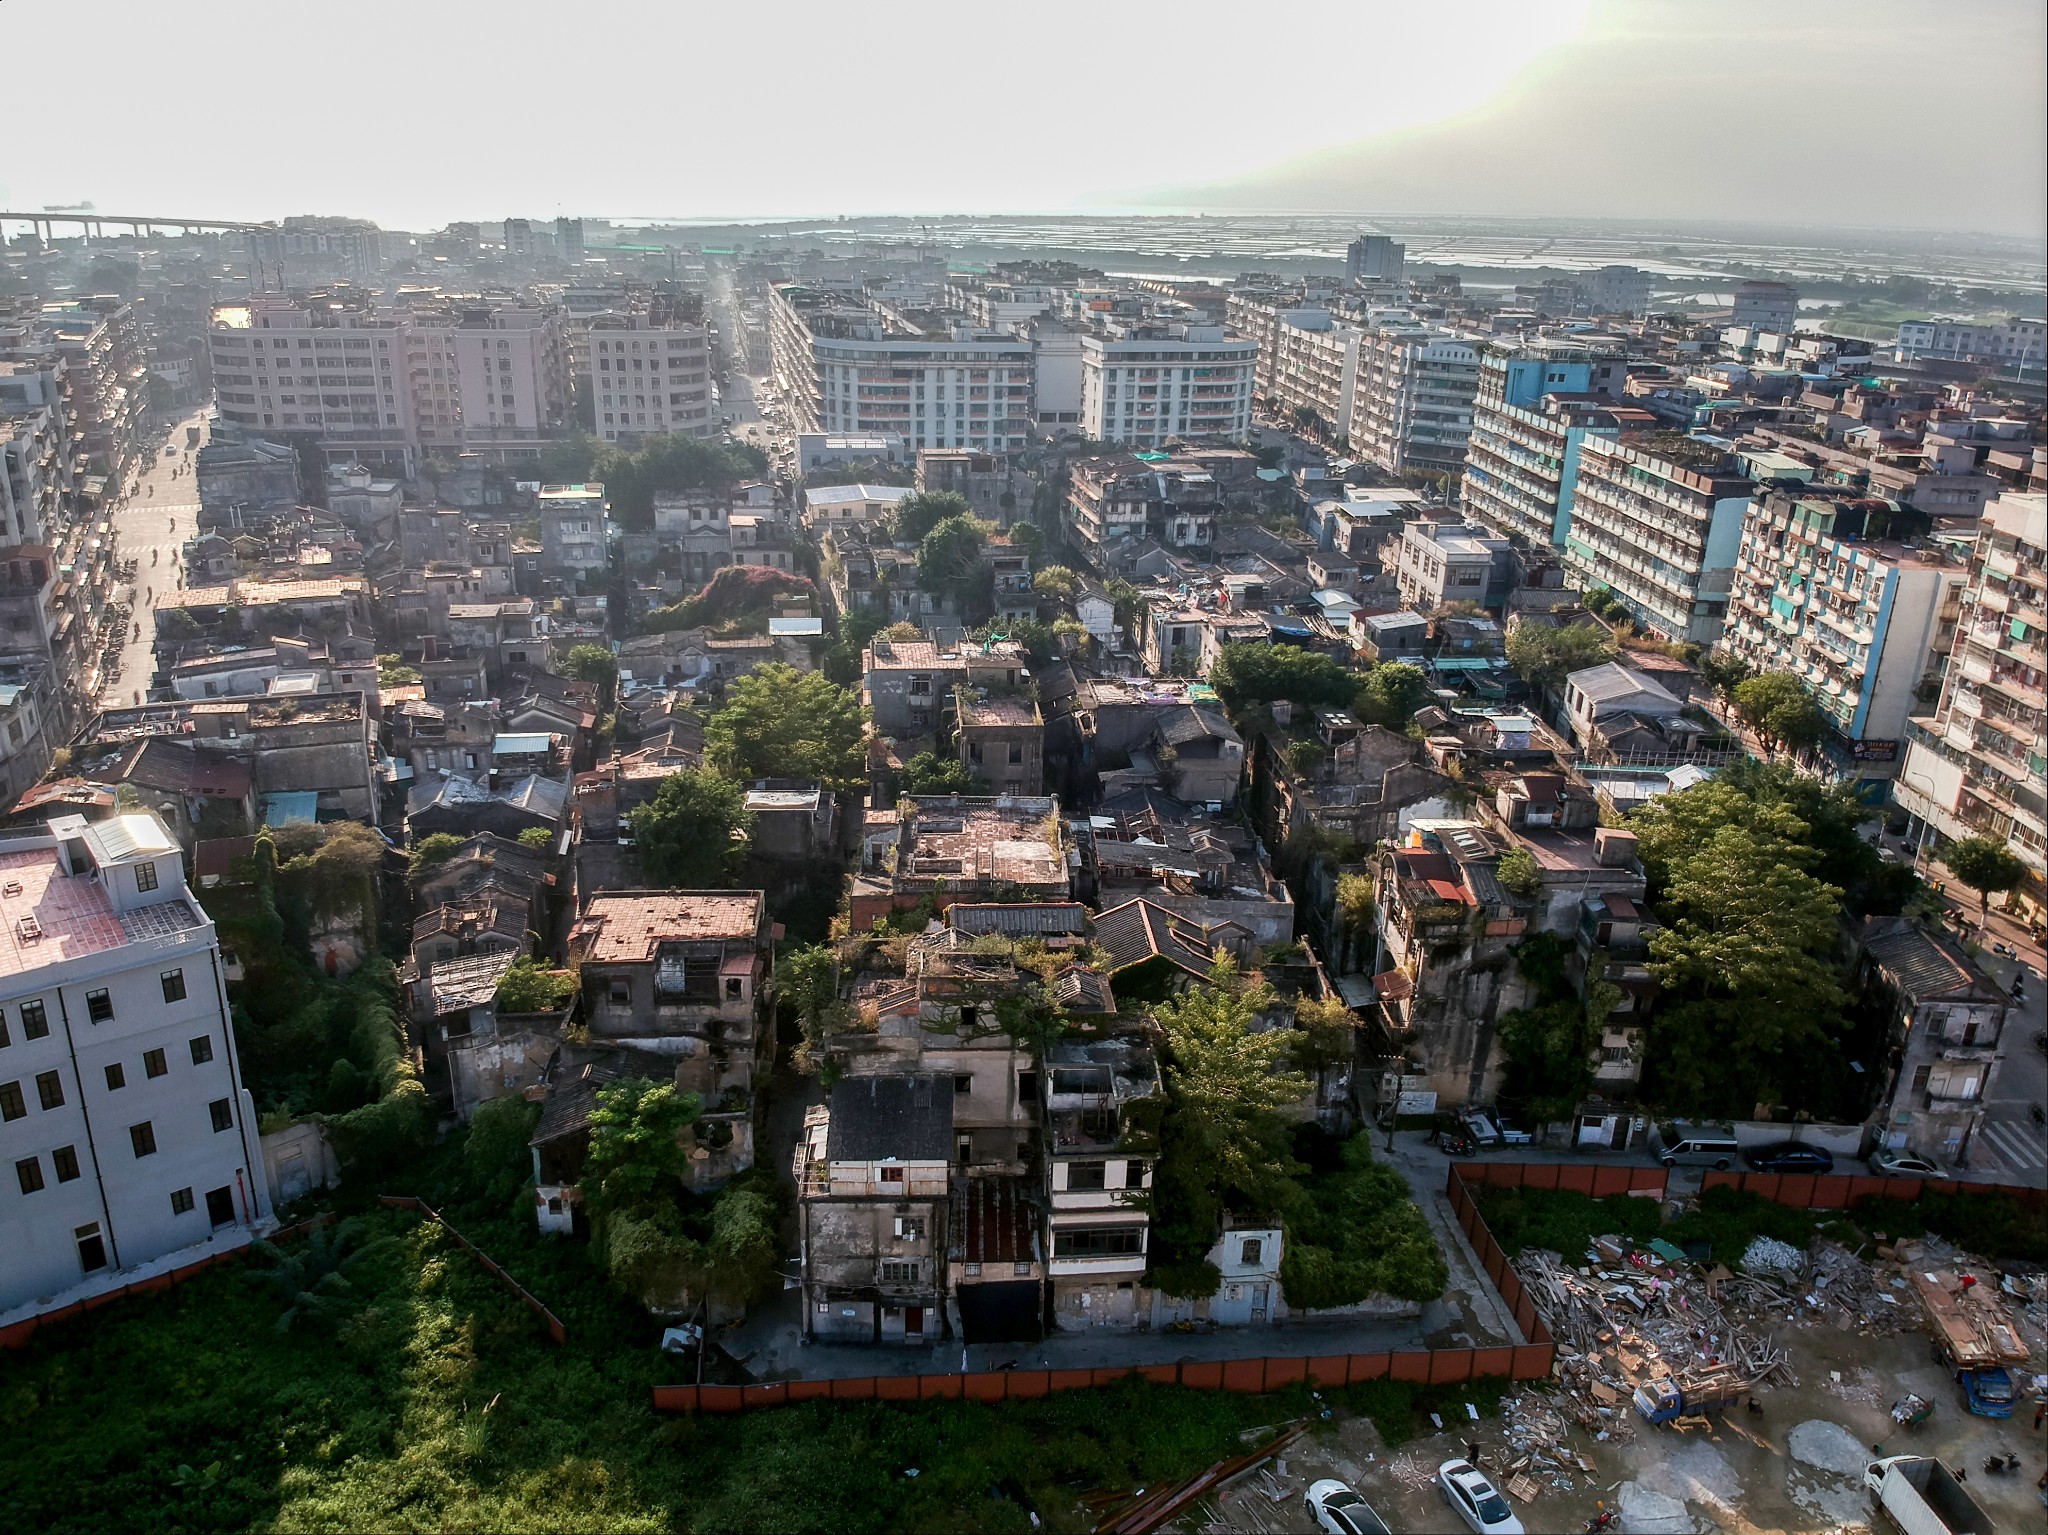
pixel 1519 873
pixel 637 1158
pixel 392 672
pixel 1328 1035
pixel 311 1275
pixel 1246 674
pixel 1778 708
pixel 1547 1059
pixel 1127 604
pixel 934 773
pixel 1057 582
pixel 1987 865
pixel 692 834
pixel 1304 757
pixel 1228 1085
pixel 1724 672
pixel 594 663
pixel 539 838
pixel 781 723
pixel 1544 657
pixel 531 987
pixel 1392 694
pixel 495 1154
pixel 807 984
pixel 429 853
pixel 949 561
pixel 917 515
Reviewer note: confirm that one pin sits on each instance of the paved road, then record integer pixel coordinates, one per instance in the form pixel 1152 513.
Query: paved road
pixel 158 516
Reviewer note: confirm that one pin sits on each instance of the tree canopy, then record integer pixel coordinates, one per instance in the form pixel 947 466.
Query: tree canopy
pixel 631 477
pixel 691 835
pixel 1544 656
pixel 917 515
pixel 636 1152
pixel 1057 582
pixel 531 987
pixel 1987 865
pixel 935 773
pixel 949 562
pixel 1246 674
pixel 1392 693
pixel 1229 1083
pixel 1778 708
pixel 593 663
pixel 733 595
pixel 778 722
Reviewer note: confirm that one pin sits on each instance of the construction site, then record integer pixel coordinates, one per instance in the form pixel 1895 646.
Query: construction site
pixel 1758 1391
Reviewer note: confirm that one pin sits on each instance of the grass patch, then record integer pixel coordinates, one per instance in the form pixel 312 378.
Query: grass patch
pixel 1400 1410
pixel 1727 1220
pixel 1994 1226
pixel 435 1402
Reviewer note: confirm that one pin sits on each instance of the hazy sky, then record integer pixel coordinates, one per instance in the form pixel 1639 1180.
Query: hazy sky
pixel 414 112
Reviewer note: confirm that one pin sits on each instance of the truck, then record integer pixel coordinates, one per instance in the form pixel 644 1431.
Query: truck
pixel 192 436
pixel 1669 1398
pixel 1974 1340
pixel 1916 1495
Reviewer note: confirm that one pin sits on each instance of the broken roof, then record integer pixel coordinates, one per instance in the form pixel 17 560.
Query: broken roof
pixel 993 1220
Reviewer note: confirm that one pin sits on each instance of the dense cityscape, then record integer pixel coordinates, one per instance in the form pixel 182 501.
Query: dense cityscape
pixel 1208 872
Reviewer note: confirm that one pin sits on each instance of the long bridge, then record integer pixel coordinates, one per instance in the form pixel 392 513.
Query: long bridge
pixel 93 224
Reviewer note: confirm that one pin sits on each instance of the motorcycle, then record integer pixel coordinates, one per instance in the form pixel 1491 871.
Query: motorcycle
pixel 1604 1518
pixel 1458 1146
pixel 2035 1113
pixel 1999 1465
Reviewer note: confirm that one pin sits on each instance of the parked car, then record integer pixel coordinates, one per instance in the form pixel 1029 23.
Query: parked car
pixel 1336 1508
pixel 1789 1157
pixel 1677 1143
pixel 1481 1131
pixel 1478 1502
pixel 1896 1164
pixel 1511 1135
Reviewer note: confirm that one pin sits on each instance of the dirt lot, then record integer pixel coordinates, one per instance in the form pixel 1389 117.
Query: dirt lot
pixel 1740 1478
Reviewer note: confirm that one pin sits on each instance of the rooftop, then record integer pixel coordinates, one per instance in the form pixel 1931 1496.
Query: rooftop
pixel 896 1118
pixel 623 927
pixel 48 917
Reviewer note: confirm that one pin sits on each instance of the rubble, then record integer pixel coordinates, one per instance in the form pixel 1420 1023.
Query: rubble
pixel 1768 1256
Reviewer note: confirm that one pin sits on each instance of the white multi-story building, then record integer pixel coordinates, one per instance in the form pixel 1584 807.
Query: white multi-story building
pixel 1864 622
pixel 1141 384
pixel 1412 399
pixel 1977 766
pixel 851 366
pixel 512 369
pixel 1315 369
pixel 285 366
pixel 1762 305
pixel 1374 258
pixel 122 1116
pixel 1620 290
pixel 2015 343
pixel 648 371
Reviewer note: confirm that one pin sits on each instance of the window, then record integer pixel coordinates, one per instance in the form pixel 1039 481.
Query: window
pixel 223 1112
pixel 65 1158
pixel 30 1171
pixel 145 877
pixel 1022 1270
pixel 117 1076
pixel 50 1089
pixel 901 1273
pixel 1249 1255
pixel 99 1007
pixel 1087 1176
pixel 202 1050
pixel 910 1228
pixel 1098 1242
pixel 892 1175
pixel 92 1248
pixel 35 1022
pixel 174 985
pixel 143 1138
pixel 963 1082
pixel 181 1201
pixel 970 1271
pixel 621 993
pixel 11 1106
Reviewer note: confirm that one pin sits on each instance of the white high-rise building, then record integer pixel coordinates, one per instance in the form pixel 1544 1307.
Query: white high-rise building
pixel 1374 258
pixel 337 370
pixel 1621 290
pixel 648 371
pixel 125 1131
pixel 850 366
pixel 1412 401
pixel 1141 384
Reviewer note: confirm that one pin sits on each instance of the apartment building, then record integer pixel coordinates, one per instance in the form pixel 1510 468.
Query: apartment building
pixel 1534 406
pixel 1657 520
pixel 1413 397
pixel 1865 622
pixel 122 1112
pixel 1976 766
pixel 1101 1141
pixel 510 370
pixel 2014 343
pixel 1144 383
pixel 574 531
pixel 1117 500
pixel 1761 305
pixel 1374 258
pixel 868 366
pixel 1444 562
pixel 1315 370
pixel 647 369
pixel 1620 290
pixel 333 367
pixel 106 377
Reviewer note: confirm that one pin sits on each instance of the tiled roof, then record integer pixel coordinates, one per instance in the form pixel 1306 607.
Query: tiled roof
pixel 157 762
pixel 907 1117
pixel 72 916
pixel 623 927
pixel 1920 963
pixel 1137 931
pixel 1018 919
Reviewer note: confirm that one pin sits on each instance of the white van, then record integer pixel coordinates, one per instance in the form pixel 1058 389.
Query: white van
pixel 1676 1143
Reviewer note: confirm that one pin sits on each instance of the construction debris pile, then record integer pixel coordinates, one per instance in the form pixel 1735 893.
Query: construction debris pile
pixel 1537 1455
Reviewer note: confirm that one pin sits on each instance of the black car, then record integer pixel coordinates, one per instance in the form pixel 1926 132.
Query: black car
pixel 1789 1157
